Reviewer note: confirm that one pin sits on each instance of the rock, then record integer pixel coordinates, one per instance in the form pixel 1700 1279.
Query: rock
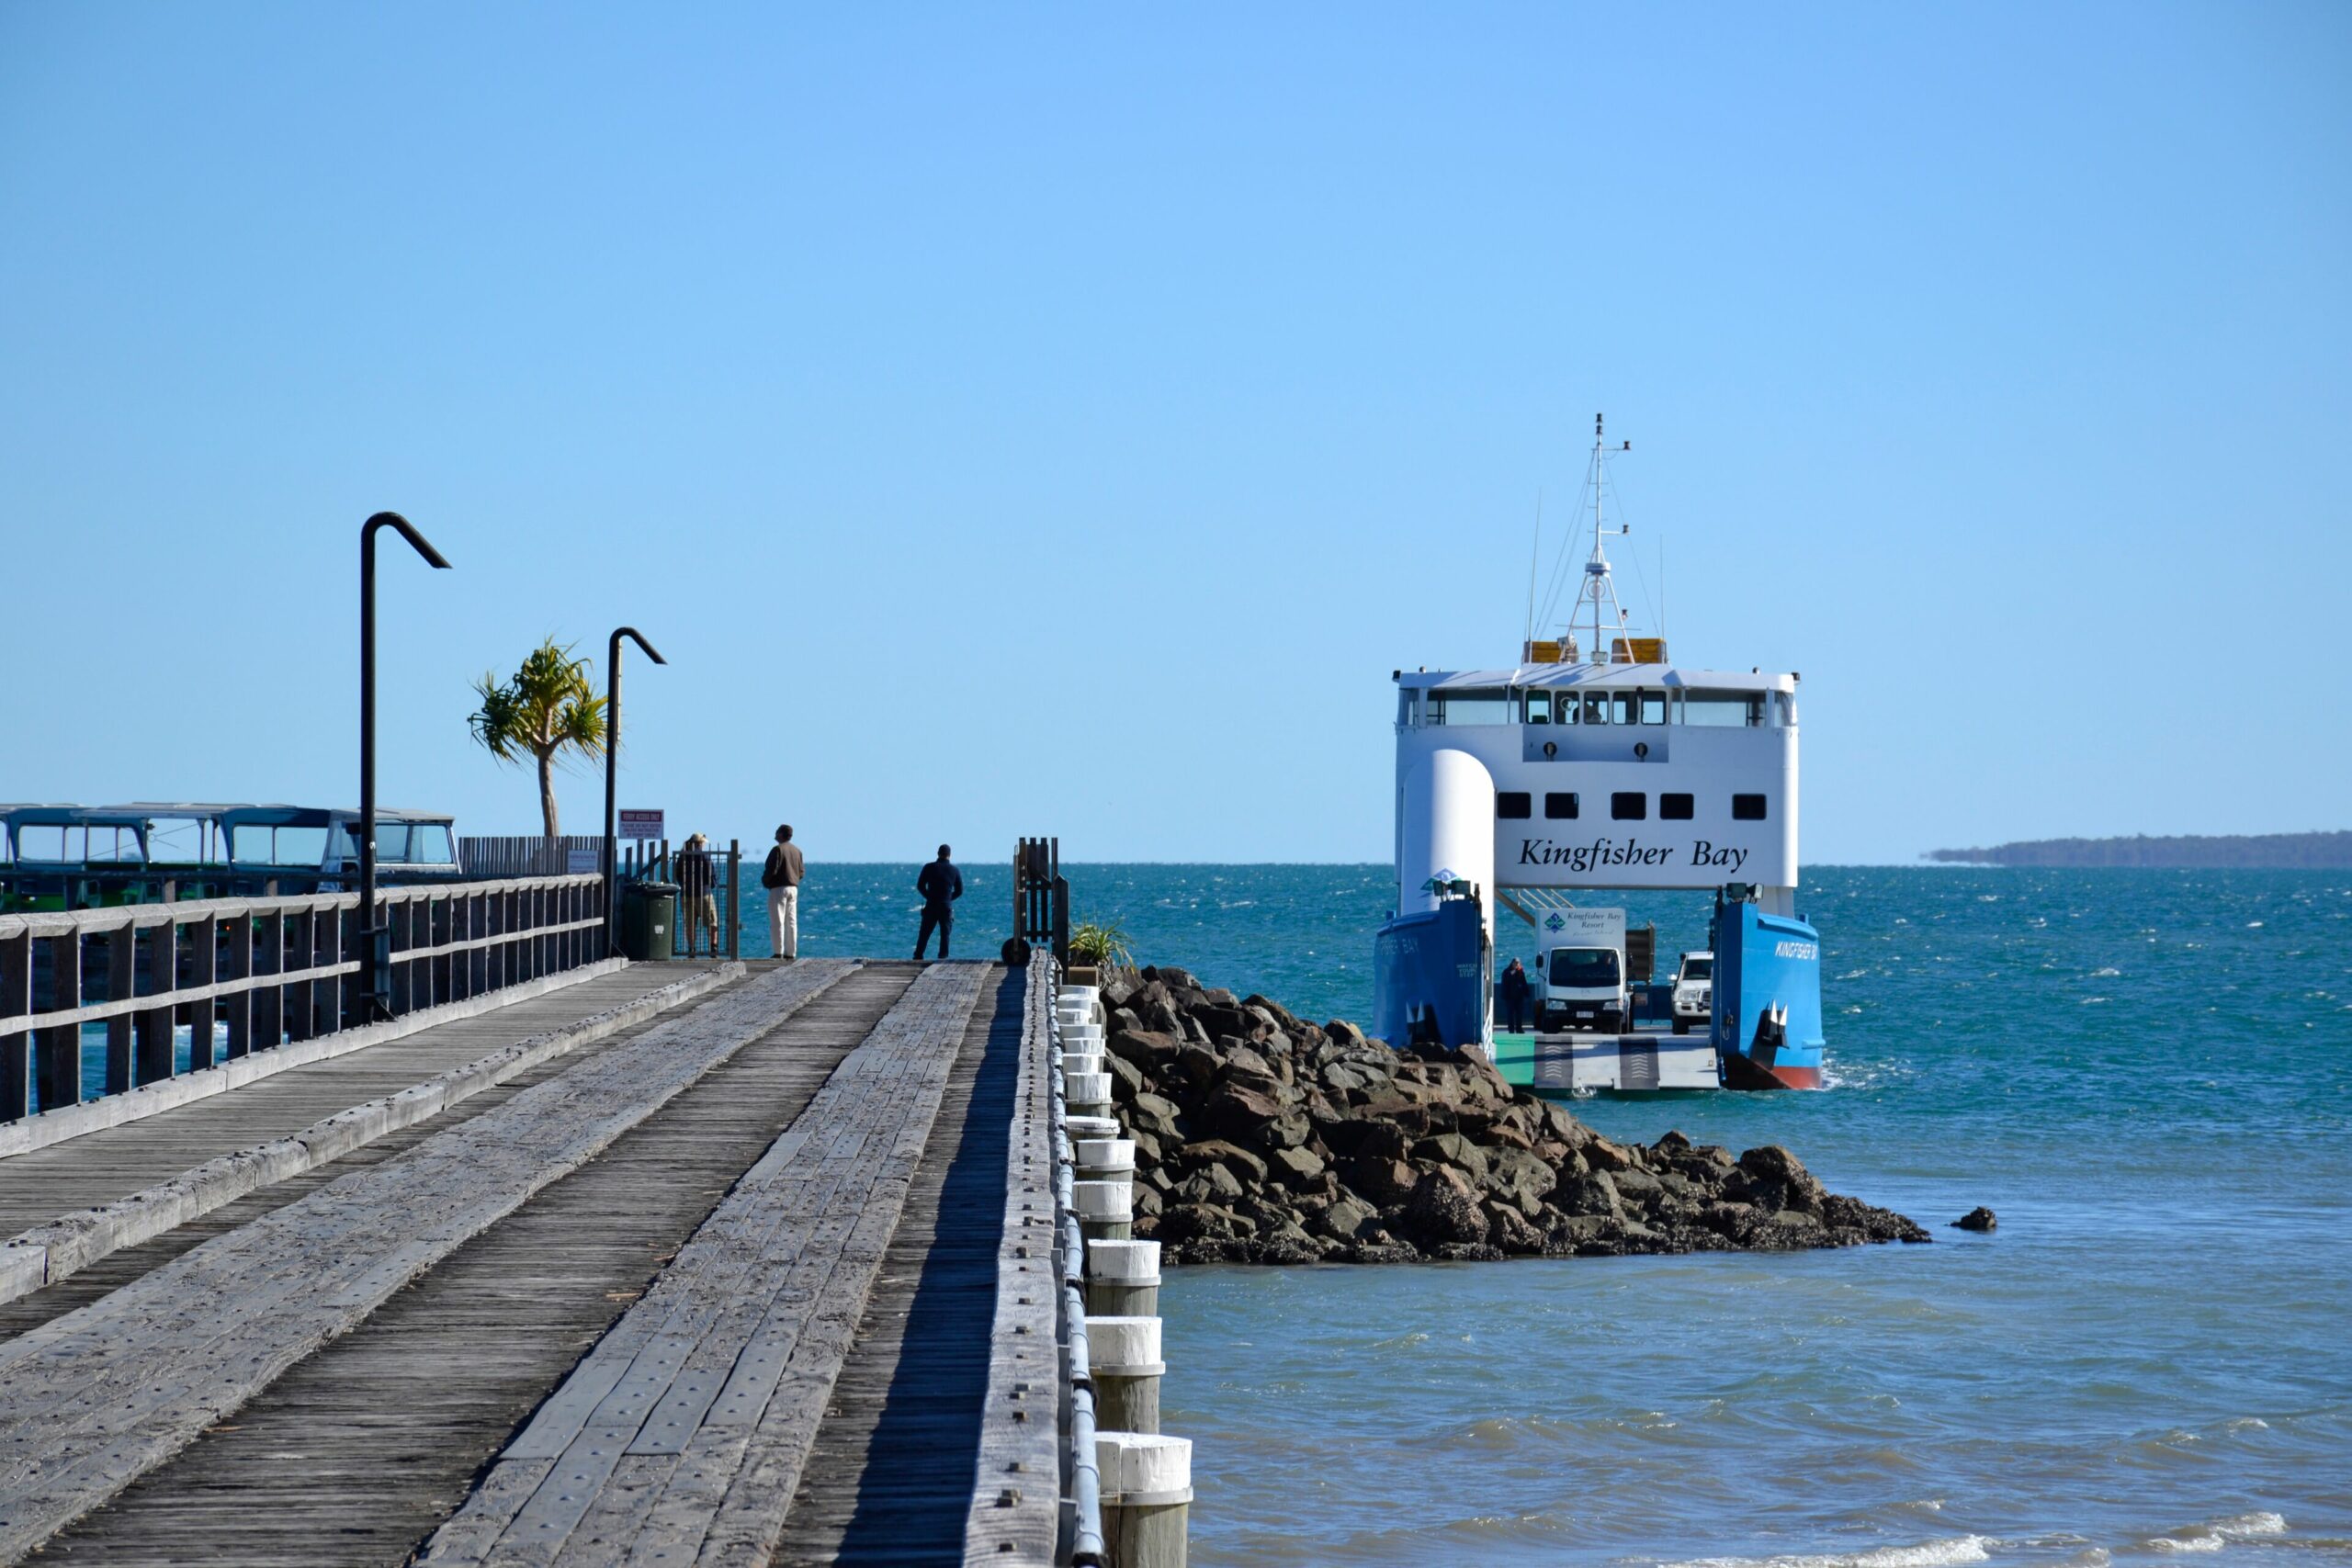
pixel 1209 1184
pixel 1977 1218
pixel 1238 1112
pixel 1346 1034
pixel 1442 1208
pixel 1367 1139
pixel 1594 1193
pixel 1149 1050
pixel 1216 1151
pixel 1453 1149
pixel 1345 1219
pixel 1381 1182
pixel 1127 1081
pixel 1518 1174
pixel 1154 1114
pixel 1295 1166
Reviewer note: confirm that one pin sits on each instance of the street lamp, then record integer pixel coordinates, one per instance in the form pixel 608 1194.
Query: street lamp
pixel 612 757
pixel 375 941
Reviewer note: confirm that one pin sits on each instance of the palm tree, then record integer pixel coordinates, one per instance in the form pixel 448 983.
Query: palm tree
pixel 547 710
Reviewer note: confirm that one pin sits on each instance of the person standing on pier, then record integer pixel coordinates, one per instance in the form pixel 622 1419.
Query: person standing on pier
pixel 698 880
pixel 1515 994
pixel 941 884
pixel 781 877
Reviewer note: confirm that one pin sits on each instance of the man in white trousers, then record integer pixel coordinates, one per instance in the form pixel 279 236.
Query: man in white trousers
pixel 781 877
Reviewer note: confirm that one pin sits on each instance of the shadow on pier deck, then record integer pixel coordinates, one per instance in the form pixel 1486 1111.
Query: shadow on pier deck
pixel 719 1285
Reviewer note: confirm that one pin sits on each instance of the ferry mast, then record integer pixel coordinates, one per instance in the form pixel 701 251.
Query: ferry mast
pixel 1599 589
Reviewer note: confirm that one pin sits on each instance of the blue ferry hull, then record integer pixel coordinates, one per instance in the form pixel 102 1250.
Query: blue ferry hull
pixel 1431 977
pixel 1768 999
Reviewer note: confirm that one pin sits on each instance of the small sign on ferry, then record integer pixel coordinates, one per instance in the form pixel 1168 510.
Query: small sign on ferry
pixel 640 826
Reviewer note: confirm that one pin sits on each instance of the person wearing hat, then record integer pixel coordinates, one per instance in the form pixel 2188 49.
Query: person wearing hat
pixel 697 879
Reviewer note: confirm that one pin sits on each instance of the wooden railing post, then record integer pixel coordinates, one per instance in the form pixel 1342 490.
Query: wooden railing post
pixel 122 974
pixel 302 948
pixel 326 995
pixel 16 1044
pixel 157 1052
pixel 237 964
pixel 59 1047
pixel 269 1000
pixel 203 968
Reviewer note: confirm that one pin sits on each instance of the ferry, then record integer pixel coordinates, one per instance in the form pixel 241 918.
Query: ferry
pixel 59 856
pixel 1524 792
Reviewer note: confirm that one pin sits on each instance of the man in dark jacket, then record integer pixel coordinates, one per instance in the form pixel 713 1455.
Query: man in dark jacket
pixel 1515 994
pixel 941 884
pixel 697 897
pixel 781 876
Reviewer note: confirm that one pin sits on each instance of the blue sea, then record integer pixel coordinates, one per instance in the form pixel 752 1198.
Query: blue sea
pixel 2145 1074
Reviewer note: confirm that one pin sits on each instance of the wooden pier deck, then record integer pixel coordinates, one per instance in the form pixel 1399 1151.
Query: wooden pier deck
pixel 702 1265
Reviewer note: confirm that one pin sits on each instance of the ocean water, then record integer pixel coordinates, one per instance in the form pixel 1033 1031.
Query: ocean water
pixel 2144 1073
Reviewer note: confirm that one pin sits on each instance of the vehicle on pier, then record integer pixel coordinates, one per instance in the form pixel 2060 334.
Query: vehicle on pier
pixel 59 856
pixel 1520 789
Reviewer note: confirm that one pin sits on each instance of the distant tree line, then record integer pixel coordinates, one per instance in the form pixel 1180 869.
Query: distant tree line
pixel 2313 851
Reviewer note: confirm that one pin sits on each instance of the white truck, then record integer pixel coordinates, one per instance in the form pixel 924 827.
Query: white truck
pixel 1582 972
pixel 1694 985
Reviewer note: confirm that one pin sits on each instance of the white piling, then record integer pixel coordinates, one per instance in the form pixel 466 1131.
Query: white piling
pixel 1125 1356
pixel 1146 1497
pixel 1106 1210
pixel 1123 1278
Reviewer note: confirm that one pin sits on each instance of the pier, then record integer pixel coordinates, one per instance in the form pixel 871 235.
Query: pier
pixel 572 1260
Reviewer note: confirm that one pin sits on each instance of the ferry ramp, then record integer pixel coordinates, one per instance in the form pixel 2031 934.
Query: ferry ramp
pixel 713 1277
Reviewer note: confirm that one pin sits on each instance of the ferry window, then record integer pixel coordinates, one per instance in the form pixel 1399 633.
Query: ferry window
pixel 1537 706
pixel 1514 802
pixel 1652 707
pixel 1468 707
pixel 1629 806
pixel 392 841
pixel 41 843
pixel 1674 807
pixel 114 845
pixel 1564 709
pixel 1596 708
pixel 1747 807
pixel 1558 803
pixel 1629 707
pixel 302 846
pixel 1725 710
pixel 428 844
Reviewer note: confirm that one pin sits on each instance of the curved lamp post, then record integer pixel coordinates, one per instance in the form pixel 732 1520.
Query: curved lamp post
pixel 375 941
pixel 612 757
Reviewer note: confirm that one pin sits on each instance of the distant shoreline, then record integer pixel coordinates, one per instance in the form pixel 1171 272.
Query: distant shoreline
pixel 2297 851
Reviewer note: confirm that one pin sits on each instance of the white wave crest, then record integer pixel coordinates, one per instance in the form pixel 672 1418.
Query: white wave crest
pixel 1926 1554
pixel 2214 1534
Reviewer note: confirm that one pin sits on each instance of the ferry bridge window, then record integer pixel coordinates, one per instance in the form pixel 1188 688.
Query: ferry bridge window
pixel 1469 707
pixel 1537 707
pixel 392 841
pixel 428 844
pixel 1560 804
pixel 1652 707
pixel 1725 710
pixel 1596 708
pixel 1564 709
pixel 1514 804
pixel 1629 806
pixel 1747 807
pixel 1628 706
pixel 1674 807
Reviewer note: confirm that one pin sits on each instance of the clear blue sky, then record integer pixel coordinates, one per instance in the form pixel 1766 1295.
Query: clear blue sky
pixel 1018 419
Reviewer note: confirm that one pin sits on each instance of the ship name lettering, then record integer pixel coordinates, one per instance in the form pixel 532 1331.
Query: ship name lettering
pixel 1728 858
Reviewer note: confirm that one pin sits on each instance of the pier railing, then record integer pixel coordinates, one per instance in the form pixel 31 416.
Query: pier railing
pixel 246 975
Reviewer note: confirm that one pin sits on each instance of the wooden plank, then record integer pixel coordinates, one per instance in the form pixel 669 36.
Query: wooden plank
pixel 765 1296
pixel 1015 1510
pixel 92 1400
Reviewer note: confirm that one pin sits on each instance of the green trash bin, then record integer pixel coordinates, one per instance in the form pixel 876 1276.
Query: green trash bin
pixel 648 920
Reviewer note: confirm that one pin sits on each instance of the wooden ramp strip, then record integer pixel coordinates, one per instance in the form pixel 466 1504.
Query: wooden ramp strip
pixel 1016 1507
pixel 682 1435
pixel 46 1254
pixel 93 1399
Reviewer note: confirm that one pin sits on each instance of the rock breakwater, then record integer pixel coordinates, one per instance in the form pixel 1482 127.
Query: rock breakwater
pixel 1262 1138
